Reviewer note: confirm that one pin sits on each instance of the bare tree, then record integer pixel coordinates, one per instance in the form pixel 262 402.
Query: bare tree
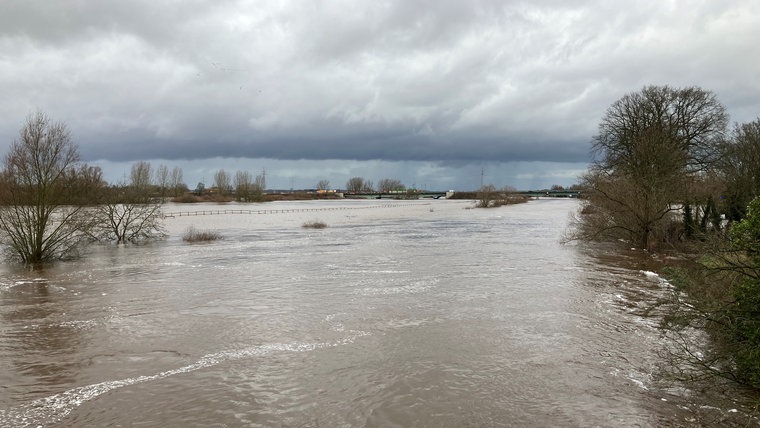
pixel 37 218
pixel 651 145
pixel 222 182
pixel 243 186
pixel 323 185
pixel 259 185
pixel 162 179
pixel 141 176
pixel 388 185
pixel 126 215
pixel 355 185
pixel 486 196
pixel 368 187
pixel 739 168
pixel 177 184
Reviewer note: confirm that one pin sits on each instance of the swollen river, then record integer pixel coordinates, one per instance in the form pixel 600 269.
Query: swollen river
pixel 398 314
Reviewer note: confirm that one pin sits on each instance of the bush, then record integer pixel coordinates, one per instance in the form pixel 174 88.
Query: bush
pixel 194 235
pixel 315 225
pixel 745 313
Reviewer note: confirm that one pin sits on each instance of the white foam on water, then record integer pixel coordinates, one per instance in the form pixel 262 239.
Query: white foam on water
pixel 52 409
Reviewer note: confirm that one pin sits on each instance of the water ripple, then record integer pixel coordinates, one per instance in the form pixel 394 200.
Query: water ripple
pixel 52 409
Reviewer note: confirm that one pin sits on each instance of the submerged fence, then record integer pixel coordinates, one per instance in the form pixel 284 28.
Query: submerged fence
pixel 278 211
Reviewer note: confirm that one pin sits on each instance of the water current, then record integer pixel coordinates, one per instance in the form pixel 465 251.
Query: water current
pixel 398 314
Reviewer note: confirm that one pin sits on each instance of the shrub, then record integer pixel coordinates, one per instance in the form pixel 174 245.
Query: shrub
pixel 194 235
pixel 315 225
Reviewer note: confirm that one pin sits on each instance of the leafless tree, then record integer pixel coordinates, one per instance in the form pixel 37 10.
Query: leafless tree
pixel 355 185
pixel 126 215
pixel 141 176
pixel 38 220
pixel 486 196
pixel 651 145
pixel 388 184
pixel 162 179
pixel 222 182
pixel 243 186
pixel 740 167
pixel 258 188
pixel 323 185
pixel 177 184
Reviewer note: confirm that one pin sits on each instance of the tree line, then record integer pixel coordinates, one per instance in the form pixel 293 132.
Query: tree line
pixel 668 174
pixel 52 203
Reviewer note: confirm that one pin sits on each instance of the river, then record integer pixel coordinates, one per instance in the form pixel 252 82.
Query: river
pixel 398 314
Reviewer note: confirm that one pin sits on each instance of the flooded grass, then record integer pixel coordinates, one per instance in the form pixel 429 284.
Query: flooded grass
pixel 314 225
pixel 194 235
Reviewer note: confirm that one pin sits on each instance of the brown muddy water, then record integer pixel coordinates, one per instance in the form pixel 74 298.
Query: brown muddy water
pixel 409 314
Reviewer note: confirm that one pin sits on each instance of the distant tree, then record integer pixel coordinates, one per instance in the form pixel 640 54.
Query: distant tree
pixel 41 178
pixel 368 187
pixel 261 180
pixel 162 180
pixel 557 188
pixel 387 185
pixel 486 196
pixel 651 146
pixel 258 188
pixel 141 176
pixel 243 186
pixel 323 185
pixel 128 215
pixel 222 182
pixel 739 166
pixel 177 184
pixel 84 184
pixel 355 185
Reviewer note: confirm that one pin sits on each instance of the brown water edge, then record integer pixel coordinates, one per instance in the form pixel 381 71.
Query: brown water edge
pixel 688 391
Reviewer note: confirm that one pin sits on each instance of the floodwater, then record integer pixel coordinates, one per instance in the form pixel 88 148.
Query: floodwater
pixel 398 314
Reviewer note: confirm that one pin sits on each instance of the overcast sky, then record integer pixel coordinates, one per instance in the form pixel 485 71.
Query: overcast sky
pixel 436 93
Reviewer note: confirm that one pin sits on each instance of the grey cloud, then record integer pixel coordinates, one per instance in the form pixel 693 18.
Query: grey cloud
pixel 442 81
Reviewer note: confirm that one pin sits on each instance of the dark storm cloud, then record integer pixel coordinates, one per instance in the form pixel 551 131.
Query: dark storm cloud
pixel 447 81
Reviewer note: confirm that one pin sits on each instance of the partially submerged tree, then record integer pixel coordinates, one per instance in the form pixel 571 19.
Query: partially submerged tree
pixel 39 220
pixel 722 298
pixel 490 197
pixel 125 215
pixel 651 145
pixel 486 195
pixel 130 213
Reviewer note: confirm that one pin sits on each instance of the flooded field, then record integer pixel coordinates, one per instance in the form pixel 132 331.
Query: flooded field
pixel 420 313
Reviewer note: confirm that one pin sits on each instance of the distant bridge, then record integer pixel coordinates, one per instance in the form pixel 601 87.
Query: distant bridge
pixel 396 195
pixel 551 193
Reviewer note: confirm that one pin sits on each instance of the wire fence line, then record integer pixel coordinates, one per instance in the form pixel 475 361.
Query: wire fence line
pixel 277 211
